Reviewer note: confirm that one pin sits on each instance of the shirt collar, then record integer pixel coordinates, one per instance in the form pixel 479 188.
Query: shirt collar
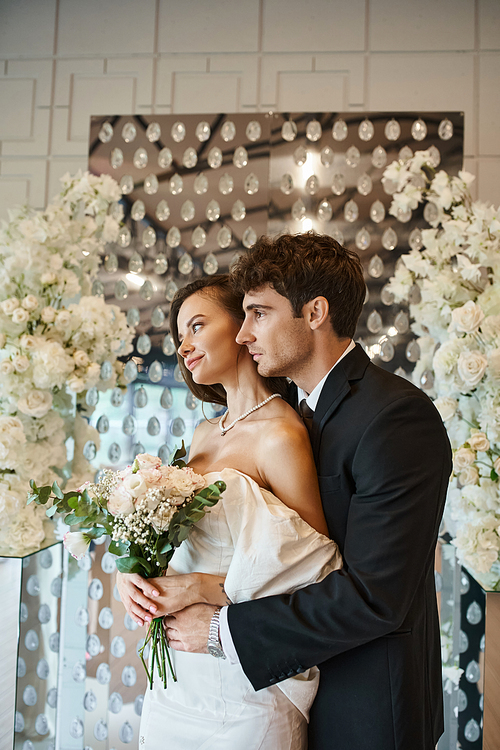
pixel 313 397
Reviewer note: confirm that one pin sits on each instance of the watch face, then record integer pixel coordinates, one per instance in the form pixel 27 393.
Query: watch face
pixel 215 650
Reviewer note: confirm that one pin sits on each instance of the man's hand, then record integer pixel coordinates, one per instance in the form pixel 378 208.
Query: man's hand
pixel 187 630
pixel 134 592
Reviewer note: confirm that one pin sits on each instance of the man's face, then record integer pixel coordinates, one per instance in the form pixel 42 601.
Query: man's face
pixel 279 343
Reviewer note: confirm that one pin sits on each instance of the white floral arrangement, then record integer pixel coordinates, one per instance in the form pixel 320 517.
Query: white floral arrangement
pixel 451 279
pixel 54 339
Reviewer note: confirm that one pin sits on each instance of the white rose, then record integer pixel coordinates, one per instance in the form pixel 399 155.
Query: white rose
pixel 48 314
pixel 27 342
pixel 462 458
pixel 20 315
pixel 479 442
pixel 496 466
pixel 147 461
pixel 63 319
pixel 185 482
pixel 81 358
pixel 2 340
pixel 467 318
pixel 469 475
pixel 30 302
pixel 21 363
pixel 121 502
pixel 6 367
pixel 48 278
pixel 9 305
pixel 446 407
pixel 135 485
pixel 471 367
pixel 75 384
pixel 77 543
pixel 35 403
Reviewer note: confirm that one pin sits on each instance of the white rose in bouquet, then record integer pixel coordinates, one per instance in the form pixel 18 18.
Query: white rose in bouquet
pixel 30 302
pixel 48 314
pixel 471 367
pixel 20 316
pixel 184 481
pixel 467 318
pixel 6 367
pixel 63 319
pixel 48 278
pixel 9 305
pixel 462 458
pixel 81 358
pixel 20 363
pixel 121 501
pixel 35 403
pixel 469 475
pixel 135 485
pixel 479 442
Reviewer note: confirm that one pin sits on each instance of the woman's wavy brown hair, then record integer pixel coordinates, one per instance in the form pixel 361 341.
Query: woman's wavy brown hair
pixel 219 289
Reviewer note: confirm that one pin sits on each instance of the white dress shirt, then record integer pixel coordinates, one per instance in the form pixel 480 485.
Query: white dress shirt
pixel 312 401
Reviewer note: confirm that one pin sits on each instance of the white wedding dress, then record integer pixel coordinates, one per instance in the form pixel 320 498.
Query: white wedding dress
pixel 263 548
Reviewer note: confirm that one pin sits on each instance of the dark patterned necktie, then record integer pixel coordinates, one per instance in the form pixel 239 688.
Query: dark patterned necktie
pixel 307 414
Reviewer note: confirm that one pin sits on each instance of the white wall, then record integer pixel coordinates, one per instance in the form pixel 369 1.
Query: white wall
pixel 63 60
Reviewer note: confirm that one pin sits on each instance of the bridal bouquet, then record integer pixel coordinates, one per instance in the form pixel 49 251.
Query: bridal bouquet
pixel 148 510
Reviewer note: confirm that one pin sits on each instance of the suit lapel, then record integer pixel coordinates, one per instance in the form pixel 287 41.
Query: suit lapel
pixel 336 388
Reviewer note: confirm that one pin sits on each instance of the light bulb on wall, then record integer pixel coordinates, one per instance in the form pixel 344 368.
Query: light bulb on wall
pixel 307 225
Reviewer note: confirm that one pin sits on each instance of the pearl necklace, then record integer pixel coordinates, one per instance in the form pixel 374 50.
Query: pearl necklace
pixel 223 429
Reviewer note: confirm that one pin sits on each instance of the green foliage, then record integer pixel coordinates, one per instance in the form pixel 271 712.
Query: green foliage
pixel 79 510
pixel 177 458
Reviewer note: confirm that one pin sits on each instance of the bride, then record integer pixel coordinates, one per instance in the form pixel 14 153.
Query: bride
pixel 266 535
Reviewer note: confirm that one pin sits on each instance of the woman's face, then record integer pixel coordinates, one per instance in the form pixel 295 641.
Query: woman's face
pixel 208 339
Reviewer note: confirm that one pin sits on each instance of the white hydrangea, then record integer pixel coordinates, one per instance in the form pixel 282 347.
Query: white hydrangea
pixel 457 320
pixel 52 349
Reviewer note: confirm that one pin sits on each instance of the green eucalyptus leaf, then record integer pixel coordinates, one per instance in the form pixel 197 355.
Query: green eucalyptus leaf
pixel 118 548
pixel 72 520
pixel 44 494
pixel 132 565
pixel 57 491
pixel 51 511
pixel 96 532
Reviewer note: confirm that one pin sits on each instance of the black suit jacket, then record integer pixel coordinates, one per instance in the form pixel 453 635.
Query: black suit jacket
pixel 383 461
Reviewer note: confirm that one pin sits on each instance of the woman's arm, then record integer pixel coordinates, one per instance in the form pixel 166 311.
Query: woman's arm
pixel 286 464
pixel 148 598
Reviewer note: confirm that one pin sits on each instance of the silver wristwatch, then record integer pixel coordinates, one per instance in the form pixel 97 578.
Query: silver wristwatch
pixel 213 644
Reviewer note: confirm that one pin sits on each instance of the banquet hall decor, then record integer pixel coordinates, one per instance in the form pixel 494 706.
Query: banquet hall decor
pixel 451 280
pixel 59 345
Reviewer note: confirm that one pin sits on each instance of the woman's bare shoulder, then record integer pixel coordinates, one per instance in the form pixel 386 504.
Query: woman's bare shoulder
pixel 286 431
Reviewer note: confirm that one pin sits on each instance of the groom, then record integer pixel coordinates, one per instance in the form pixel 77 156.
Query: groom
pixel 383 461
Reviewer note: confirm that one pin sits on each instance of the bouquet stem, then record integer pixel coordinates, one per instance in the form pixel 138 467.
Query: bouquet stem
pixel 160 653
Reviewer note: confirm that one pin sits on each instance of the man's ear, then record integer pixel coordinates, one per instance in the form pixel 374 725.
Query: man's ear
pixel 317 312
